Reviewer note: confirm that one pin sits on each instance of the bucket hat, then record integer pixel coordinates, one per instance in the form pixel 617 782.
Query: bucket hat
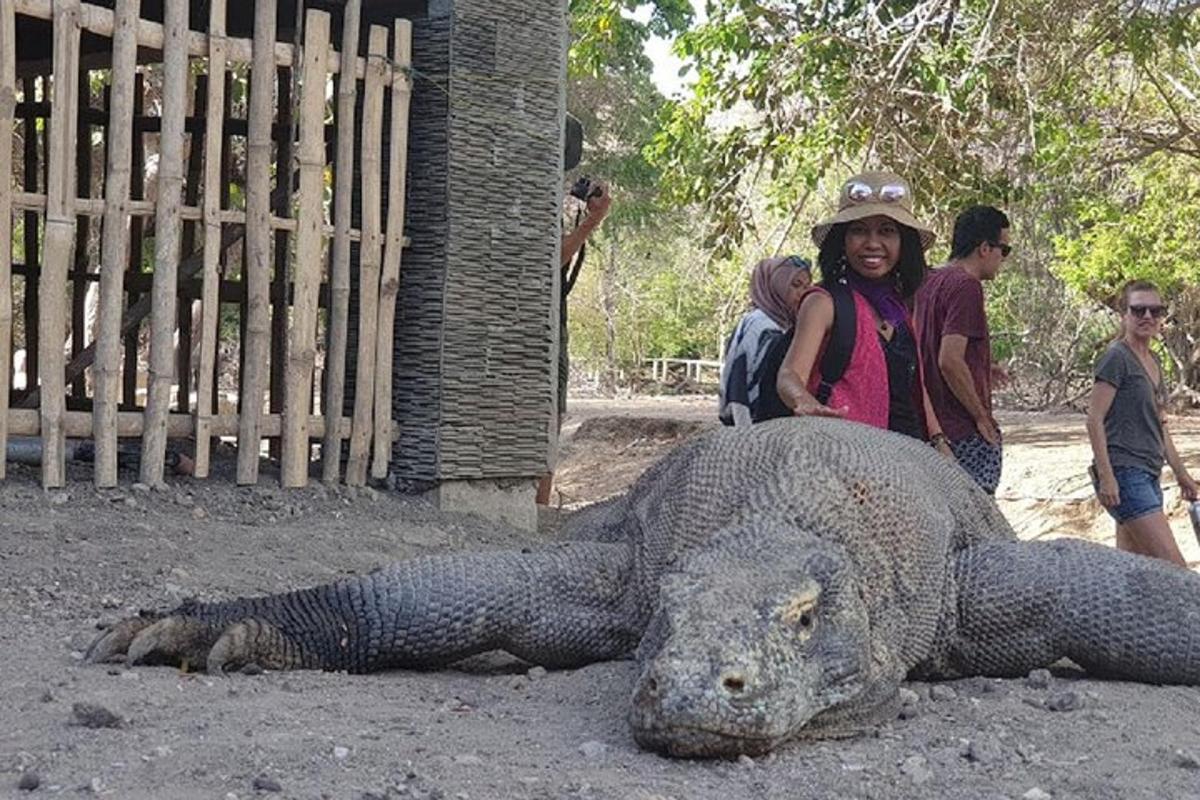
pixel 875 193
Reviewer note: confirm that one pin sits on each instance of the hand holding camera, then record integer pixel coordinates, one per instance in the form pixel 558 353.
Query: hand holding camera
pixel 594 193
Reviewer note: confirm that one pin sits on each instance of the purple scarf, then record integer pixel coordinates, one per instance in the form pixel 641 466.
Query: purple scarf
pixel 883 296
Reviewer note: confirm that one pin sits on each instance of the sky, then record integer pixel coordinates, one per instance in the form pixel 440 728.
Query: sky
pixel 666 65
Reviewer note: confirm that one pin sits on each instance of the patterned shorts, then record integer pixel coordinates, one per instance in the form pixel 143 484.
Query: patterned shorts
pixel 981 459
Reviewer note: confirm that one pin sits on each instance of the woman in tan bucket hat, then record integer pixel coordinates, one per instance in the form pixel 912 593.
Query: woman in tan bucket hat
pixel 873 250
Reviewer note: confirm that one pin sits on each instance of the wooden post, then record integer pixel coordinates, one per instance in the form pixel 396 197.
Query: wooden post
pixel 370 256
pixel 339 270
pixel 8 105
pixel 389 285
pixel 167 225
pixel 115 243
pixel 33 255
pixel 310 249
pixel 210 308
pixel 60 238
pixel 137 191
pixel 256 272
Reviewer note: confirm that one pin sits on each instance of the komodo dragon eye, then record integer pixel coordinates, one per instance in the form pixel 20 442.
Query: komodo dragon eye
pixel 801 611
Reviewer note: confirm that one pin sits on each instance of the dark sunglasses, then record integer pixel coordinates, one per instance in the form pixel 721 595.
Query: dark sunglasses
pixel 1158 312
pixel 1005 249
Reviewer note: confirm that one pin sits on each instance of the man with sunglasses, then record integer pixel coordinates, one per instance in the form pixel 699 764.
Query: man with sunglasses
pixel 956 350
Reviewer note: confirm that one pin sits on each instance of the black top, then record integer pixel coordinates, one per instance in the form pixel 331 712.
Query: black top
pixel 900 353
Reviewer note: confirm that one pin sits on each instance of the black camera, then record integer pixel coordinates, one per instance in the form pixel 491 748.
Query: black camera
pixel 585 189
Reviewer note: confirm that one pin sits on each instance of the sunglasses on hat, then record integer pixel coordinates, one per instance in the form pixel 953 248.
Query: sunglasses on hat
pixel 1158 312
pixel 861 192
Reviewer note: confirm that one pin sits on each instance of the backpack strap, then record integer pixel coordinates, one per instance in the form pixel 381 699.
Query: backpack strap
pixel 841 339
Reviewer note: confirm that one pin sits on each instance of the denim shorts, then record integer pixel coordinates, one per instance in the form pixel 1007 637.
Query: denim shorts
pixel 1141 493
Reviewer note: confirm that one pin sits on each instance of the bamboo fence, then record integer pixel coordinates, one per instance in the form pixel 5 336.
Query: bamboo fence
pixel 232 232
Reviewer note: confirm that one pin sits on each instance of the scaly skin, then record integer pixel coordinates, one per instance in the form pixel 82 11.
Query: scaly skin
pixel 773 583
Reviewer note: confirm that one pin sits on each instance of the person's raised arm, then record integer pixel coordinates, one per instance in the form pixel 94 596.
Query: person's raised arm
pixel 597 209
pixel 813 323
pixel 1098 405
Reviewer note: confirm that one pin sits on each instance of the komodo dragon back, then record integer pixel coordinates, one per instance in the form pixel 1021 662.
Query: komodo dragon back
pixel 773 583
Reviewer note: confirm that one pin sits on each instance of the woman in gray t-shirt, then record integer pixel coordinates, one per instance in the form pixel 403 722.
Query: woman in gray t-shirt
pixel 1126 424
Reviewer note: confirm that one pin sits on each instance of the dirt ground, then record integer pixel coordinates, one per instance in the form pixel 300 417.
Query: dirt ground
pixel 495 729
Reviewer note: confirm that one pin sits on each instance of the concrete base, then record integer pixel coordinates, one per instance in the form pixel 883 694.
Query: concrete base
pixel 509 501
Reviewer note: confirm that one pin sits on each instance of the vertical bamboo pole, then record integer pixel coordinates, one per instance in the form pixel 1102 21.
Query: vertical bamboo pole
pixel 310 248
pixel 137 191
pixel 167 225
pixel 370 256
pixel 114 246
pixel 60 238
pixel 83 229
pixel 8 104
pixel 339 270
pixel 256 272
pixel 33 255
pixel 210 309
pixel 389 285
pixel 282 207
pixel 191 196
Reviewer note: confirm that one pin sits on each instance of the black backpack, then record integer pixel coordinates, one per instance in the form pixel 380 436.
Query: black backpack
pixel 768 404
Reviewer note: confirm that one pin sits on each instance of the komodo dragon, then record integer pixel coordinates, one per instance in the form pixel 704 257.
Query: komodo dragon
pixel 773 582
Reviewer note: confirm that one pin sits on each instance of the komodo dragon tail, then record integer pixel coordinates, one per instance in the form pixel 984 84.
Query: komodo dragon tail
pixel 560 606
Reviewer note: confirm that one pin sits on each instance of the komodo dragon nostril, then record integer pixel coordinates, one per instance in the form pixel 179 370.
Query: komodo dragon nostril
pixel 734 683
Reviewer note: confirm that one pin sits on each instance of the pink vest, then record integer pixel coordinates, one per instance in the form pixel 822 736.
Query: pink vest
pixel 863 389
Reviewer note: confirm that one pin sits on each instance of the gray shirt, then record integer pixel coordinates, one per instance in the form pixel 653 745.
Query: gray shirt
pixel 1133 424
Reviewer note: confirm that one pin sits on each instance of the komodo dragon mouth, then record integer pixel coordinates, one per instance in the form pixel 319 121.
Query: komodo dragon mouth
pixel 696 742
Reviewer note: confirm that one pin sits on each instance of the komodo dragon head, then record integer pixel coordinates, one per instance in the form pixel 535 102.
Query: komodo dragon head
pixel 748 645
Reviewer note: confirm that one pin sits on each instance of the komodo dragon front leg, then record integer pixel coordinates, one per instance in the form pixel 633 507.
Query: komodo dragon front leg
pixel 1023 605
pixel 561 606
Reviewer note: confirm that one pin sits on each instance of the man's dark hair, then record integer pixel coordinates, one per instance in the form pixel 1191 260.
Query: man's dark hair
pixel 976 225
pixel 910 269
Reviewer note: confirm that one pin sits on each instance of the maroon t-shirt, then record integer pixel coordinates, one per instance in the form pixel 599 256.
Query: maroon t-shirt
pixel 951 302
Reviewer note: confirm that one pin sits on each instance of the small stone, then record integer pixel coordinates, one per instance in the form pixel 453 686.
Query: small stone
pixel 536 672
pixel 908 697
pixel 265 783
pixel 917 769
pixel 909 712
pixel 253 668
pixel 141 487
pixel 746 761
pixel 198 512
pixel 1038 679
pixel 29 781
pixel 1036 794
pixel 468 760
pixel 341 753
pixel 942 692
pixel 59 498
pixel 1065 701
pixel 89 715
pixel 1185 760
pixel 983 750
pixel 593 750
pixel 1036 702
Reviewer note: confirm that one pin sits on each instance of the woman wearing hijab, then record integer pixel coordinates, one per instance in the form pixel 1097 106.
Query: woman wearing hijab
pixel 776 286
pixel 874 248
